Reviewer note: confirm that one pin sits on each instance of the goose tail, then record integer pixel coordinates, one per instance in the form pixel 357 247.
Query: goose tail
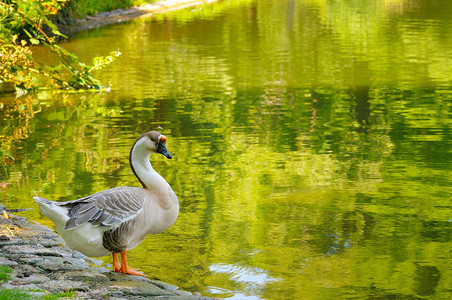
pixel 41 200
pixel 52 210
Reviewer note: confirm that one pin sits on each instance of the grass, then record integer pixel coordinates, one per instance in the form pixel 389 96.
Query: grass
pixel 14 294
pixel 5 273
pixel 68 294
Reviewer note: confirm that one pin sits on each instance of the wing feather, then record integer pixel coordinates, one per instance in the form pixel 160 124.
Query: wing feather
pixel 107 208
pixel 84 208
pixel 87 216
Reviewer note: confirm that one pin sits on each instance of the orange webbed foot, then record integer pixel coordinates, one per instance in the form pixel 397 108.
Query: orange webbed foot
pixel 124 267
pixel 132 272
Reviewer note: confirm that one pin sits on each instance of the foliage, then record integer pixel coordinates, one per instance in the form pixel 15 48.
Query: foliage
pixel 16 63
pixel 25 23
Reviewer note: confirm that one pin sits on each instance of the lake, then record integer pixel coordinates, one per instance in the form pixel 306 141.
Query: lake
pixel 311 145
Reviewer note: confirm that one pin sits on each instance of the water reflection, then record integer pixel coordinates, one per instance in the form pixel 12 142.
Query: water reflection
pixel 310 140
pixel 251 280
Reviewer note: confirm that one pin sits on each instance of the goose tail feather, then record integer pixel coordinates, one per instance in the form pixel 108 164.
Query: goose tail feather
pixel 56 213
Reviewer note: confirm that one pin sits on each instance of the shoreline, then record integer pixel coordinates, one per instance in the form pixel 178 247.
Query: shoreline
pixel 41 265
pixel 124 15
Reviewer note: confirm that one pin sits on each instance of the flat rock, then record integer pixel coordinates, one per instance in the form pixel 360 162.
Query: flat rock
pixel 99 292
pixel 164 285
pixel 101 270
pixel 59 263
pixel 9 241
pixel 65 285
pixel 28 274
pixel 94 261
pixel 34 228
pixel 183 293
pixel 33 250
pixel 7 262
pixel 50 242
pixel 33 278
pixel 136 288
pixel 18 221
pixel 27 259
pixel 16 284
pixel 115 276
pixel 88 275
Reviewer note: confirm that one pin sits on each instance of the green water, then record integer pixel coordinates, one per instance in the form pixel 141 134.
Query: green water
pixel 311 145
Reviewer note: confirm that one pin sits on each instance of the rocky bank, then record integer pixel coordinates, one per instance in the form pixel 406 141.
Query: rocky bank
pixel 42 265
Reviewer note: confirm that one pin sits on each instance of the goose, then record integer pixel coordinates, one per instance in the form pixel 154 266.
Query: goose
pixel 118 219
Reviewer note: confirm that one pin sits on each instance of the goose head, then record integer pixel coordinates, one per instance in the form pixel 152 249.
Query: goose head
pixel 150 142
pixel 155 142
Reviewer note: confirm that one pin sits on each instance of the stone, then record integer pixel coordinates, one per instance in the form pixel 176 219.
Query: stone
pixel 27 259
pixel 65 285
pixel 52 264
pixel 50 242
pixel 35 228
pixel 33 250
pixel 33 278
pixel 164 285
pixel 116 276
pixel 21 222
pixel 94 261
pixel 136 288
pixel 183 293
pixel 23 286
pixel 28 274
pixel 65 252
pixel 8 241
pixel 88 276
pixel 7 262
pixel 101 270
pixel 76 254
pixel 99 292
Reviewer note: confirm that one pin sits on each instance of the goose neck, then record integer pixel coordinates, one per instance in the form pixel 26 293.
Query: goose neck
pixel 142 168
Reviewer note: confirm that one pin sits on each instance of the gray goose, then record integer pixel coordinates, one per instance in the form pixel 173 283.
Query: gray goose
pixel 118 219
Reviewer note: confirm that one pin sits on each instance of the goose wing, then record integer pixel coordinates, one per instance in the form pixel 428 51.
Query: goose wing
pixel 107 208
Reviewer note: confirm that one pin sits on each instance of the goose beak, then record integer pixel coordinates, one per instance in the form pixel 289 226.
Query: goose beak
pixel 161 148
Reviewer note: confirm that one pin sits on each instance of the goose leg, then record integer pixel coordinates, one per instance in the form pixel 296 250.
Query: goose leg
pixel 116 265
pixel 125 266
